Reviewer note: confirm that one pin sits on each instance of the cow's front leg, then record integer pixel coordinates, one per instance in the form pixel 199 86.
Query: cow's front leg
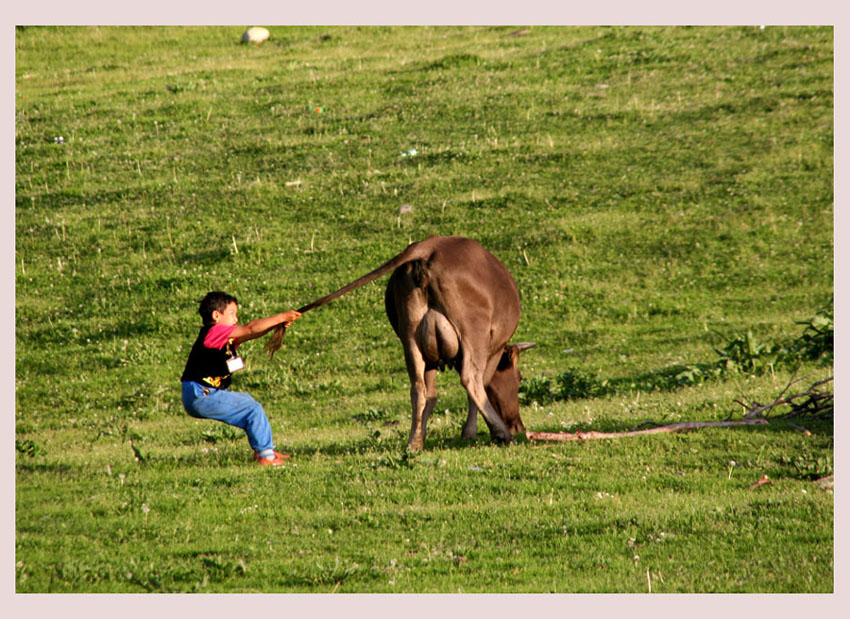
pixel 474 385
pixel 470 428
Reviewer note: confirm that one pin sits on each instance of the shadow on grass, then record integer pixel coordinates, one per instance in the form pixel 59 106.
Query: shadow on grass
pixel 221 447
pixel 393 446
pixel 448 438
pixel 205 258
pixel 574 384
pixel 669 378
pixel 441 440
pixel 59 469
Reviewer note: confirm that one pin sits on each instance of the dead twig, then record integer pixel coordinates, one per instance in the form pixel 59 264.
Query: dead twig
pixel 800 429
pixel 763 481
pixel 757 408
pixel 816 403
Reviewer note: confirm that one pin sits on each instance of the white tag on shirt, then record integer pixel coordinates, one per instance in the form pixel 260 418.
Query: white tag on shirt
pixel 234 364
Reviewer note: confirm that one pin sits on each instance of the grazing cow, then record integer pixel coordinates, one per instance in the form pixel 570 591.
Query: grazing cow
pixel 452 304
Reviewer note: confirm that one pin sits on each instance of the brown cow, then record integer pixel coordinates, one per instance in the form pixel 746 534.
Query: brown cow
pixel 452 303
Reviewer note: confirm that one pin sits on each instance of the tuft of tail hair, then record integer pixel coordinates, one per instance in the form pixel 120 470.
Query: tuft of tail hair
pixel 275 341
pixel 415 251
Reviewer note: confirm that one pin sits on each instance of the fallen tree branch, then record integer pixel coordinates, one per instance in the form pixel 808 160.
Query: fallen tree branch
pixel 675 427
pixel 816 404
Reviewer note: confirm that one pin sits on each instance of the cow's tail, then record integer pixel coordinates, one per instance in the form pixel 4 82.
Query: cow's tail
pixel 415 251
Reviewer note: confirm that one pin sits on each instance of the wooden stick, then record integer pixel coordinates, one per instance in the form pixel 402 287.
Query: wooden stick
pixel 676 427
pixel 761 482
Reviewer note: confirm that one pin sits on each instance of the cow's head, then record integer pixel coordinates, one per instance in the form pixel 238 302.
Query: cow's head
pixel 503 390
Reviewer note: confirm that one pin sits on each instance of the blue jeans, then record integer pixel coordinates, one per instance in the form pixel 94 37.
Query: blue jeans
pixel 231 407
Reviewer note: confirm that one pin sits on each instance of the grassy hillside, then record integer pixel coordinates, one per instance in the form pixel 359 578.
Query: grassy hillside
pixel 656 193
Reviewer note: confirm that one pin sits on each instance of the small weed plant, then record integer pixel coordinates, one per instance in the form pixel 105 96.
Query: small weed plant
pixel 741 355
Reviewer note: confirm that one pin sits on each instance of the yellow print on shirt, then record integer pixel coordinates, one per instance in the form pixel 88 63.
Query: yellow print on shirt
pixel 214 381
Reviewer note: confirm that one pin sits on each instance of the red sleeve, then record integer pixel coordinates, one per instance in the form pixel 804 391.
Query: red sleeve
pixel 218 335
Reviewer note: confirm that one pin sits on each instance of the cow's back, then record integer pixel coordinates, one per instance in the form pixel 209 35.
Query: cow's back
pixel 463 281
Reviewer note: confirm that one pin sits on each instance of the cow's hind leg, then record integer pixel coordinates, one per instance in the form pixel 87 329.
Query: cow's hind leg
pixel 423 398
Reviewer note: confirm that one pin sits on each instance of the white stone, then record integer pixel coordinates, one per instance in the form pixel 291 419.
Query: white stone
pixel 255 35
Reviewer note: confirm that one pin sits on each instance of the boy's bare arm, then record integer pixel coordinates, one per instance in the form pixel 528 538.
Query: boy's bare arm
pixel 258 328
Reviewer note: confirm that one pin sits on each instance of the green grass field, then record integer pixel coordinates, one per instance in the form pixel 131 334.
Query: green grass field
pixel 656 193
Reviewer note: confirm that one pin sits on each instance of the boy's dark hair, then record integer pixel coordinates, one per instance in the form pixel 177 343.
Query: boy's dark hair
pixel 215 300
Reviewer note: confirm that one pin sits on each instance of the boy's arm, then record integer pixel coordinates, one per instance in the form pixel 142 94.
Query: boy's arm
pixel 258 328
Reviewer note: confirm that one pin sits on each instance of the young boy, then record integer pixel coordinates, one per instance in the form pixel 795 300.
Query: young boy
pixel 213 360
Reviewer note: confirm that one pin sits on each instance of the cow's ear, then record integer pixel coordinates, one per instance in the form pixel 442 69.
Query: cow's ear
pixel 508 358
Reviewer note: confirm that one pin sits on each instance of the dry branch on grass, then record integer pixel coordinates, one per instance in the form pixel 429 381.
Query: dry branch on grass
pixel 675 427
pixel 761 482
pixel 813 403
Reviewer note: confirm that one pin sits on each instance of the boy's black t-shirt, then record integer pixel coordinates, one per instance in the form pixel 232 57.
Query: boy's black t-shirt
pixel 208 366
